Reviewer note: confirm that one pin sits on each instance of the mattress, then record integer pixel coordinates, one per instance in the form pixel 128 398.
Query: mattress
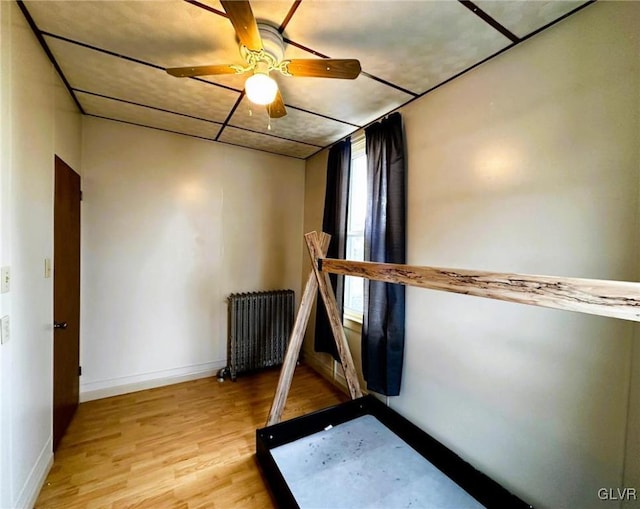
pixel 362 454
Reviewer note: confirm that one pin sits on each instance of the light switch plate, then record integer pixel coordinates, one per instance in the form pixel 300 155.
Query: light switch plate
pixel 47 267
pixel 5 279
pixel 4 330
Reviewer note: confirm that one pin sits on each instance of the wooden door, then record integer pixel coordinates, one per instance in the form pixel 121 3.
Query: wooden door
pixel 66 297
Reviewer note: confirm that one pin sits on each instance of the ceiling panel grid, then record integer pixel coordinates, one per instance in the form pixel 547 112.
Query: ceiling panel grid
pixel 113 55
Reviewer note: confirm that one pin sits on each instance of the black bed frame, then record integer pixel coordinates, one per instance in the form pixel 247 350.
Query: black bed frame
pixel 479 486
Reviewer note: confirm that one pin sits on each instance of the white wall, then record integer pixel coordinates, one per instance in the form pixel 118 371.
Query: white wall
pixel 5 304
pixel 172 225
pixel 315 184
pixel 38 121
pixel 529 163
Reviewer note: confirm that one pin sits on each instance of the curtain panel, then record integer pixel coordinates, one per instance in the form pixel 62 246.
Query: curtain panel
pixel 385 241
pixel 334 222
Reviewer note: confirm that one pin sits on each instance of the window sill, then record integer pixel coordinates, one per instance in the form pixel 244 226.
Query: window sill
pixel 352 321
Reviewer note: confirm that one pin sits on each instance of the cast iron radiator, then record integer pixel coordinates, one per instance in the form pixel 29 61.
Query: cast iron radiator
pixel 258 330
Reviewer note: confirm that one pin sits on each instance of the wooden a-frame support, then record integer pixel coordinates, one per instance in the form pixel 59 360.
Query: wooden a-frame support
pixel 317 246
pixel 616 299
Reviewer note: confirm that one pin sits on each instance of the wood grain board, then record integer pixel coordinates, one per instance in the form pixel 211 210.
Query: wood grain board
pixel 335 318
pixel 616 299
pixel 295 341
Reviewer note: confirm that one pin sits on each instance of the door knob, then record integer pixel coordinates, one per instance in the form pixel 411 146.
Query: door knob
pixel 59 325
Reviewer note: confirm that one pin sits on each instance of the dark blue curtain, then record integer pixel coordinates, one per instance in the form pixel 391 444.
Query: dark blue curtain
pixel 334 222
pixel 385 241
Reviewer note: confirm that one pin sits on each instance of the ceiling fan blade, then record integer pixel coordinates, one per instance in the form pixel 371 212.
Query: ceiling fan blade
pixel 276 109
pixel 201 70
pixel 244 22
pixel 325 68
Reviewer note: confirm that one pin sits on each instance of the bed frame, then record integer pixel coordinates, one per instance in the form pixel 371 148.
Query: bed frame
pixel 615 299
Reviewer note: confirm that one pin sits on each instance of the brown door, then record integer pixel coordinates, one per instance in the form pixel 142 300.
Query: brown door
pixel 66 297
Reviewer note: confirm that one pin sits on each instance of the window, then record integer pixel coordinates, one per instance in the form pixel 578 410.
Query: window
pixel 354 286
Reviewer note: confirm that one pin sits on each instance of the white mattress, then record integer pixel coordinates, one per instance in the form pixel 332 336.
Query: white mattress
pixel 363 464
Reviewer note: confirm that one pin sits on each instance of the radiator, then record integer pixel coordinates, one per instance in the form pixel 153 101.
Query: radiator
pixel 258 329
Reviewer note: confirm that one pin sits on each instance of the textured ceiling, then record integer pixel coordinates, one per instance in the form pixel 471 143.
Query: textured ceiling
pixel 113 56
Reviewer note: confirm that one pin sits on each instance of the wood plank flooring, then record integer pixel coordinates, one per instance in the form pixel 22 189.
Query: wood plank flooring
pixel 189 445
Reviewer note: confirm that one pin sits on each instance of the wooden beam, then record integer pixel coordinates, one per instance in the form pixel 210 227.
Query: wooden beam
pixel 616 299
pixel 329 299
pixel 295 341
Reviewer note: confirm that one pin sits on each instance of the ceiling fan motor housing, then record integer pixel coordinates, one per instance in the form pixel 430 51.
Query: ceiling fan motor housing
pixel 272 41
pixel 273 47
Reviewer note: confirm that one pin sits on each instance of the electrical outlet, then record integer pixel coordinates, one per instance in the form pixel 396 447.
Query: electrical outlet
pixel 5 279
pixel 4 330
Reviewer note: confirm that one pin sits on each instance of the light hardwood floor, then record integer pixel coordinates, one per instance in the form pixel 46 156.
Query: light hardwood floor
pixel 189 445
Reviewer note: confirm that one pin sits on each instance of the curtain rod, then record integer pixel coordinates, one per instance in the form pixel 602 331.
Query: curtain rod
pixel 357 133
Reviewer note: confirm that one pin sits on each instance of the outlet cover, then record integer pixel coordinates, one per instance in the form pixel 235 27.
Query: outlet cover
pixel 5 279
pixel 4 334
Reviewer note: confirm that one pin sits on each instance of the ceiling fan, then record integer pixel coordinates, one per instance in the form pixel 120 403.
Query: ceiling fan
pixel 262 47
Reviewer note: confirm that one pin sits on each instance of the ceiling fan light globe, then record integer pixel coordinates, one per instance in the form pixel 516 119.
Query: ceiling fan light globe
pixel 261 89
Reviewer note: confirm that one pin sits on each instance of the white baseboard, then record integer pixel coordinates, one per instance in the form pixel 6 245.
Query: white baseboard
pixel 326 370
pixel 123 385
pixel 37 476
